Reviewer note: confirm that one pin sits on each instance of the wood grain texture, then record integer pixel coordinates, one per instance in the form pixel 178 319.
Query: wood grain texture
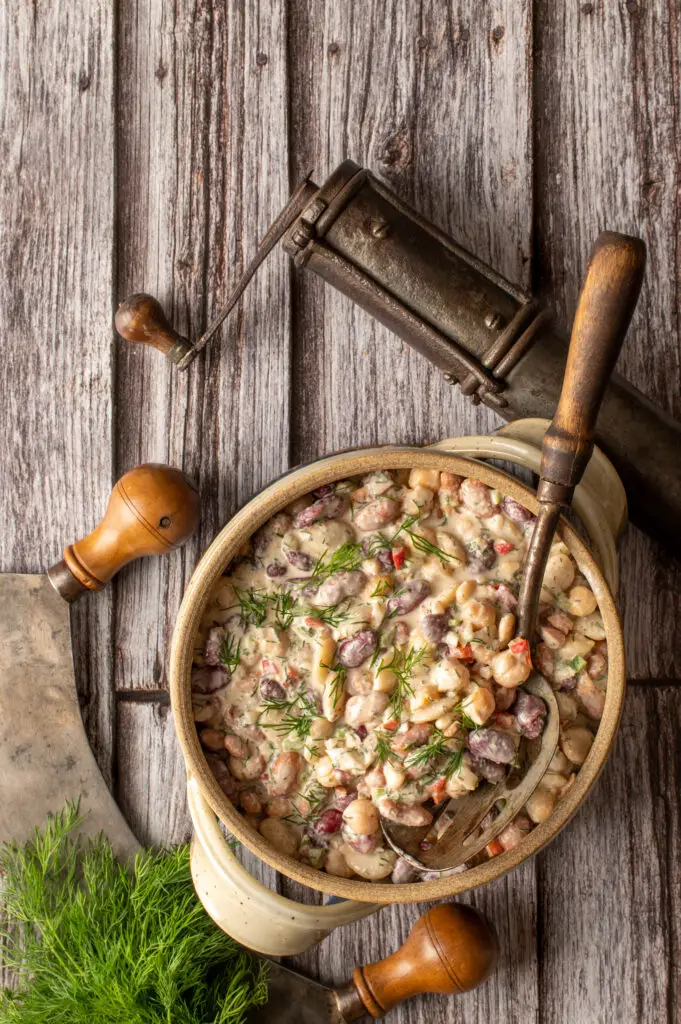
pixel 610 884
pixel 202 150
pixel 606 156
pixel 56 384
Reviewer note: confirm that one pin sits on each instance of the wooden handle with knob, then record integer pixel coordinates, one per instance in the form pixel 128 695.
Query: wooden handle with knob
pixel 152 510
pixel 451 949
pixel 606 305
pixel 140 320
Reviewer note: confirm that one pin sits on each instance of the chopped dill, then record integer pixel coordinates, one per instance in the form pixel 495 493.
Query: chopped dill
pixel 291 723
pixel 317 797
pixel 230 652
pixel 376 544
pixel 253 605
pixel 437 757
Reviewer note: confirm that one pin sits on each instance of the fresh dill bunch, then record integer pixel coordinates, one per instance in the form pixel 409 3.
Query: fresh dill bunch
pixel 402 663
pixel 253 605
pixel 230 652
pixel 346 558
pixel 93 941
pixel 426 547
pixel 297 714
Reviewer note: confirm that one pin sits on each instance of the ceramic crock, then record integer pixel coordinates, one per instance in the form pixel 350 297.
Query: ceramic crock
pixel 241 905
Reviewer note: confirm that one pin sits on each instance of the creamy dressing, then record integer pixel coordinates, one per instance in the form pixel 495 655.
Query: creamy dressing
pixel 360 659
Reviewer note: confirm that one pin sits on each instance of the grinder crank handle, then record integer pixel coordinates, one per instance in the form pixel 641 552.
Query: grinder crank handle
pixel 604 310
pixel 152 510
pixel 451 949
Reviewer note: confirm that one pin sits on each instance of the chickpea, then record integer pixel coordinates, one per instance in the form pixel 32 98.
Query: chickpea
pixel 212 739
pixel 479 705
pixel 250 801
pixel 326 773
pixel 280 835
pixel 236 746
pixel 540 804
pixel 394 777
pixel 336 864
pixel 361 816
pixel 581 601
pixel 506 628
pixel 278 807
pixel 465 590
pixel 510 669
pixel 576 743
pixel 372 866
pixel 560 572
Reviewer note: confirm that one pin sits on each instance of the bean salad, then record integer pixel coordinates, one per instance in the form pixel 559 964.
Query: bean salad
pixel 359 659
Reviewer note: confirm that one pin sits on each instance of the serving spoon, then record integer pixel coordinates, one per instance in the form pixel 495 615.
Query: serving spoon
pixel 604 310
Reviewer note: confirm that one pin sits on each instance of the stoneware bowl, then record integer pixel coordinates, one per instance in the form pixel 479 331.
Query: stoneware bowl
pixel 243 907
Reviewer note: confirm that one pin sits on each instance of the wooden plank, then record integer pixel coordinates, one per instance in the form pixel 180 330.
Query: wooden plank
pixel 610 884
pixel 606 155
pixel 202 157
pixel 435 99
pixel 56 220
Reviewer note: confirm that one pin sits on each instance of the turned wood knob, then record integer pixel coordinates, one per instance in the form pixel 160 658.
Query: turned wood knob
pixel 140 320
pixel 152 510
pixel 451 949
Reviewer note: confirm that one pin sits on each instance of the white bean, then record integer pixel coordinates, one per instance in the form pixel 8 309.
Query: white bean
pixel 479 705
pixel 280 835
pixel 560 572
pixel 336 864
pixel 394 777
pixel 284 772
pixel 362 817
pixel 591 626
pixel 576 743
pixel 235 745
pixel 372 866
pixel 465 590
pixel 581 601
pixel 506 628
pixel 360 710
pixel 425 478
pixel 248 769
pixel 434 710
pixel 540 804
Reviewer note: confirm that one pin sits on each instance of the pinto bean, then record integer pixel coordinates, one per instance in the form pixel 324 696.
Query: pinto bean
pixel 278 807
pixel 513 510
pixel 495 746
pixel 209 679
pixel 530 713
pixel 514 833
pixel 591 698
pixel 329 506
pixel 245 770
pixel 403 873
pixel 505 597
pixel 280 834
pixel 560 620
pixel 236 746
pixel 404 814
pixel 476 496
pixel 376 514
pixel 434 627
pixel 338 586
pixel 300 560
pixel 552 637
pixel 597 665
pixel 223 776
pixel 354 651
pixel 275 569
pixel 212 739
pixel 284 772
pixel 408 597
pixel 270 689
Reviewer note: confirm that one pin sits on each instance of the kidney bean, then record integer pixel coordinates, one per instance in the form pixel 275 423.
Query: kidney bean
pixel 560 620
pixel 300 560
pixel 403 872
pixel 284 772
pixel 344 801
pixel 495 746
pixel 362 844
pixel 210 679
pixel 512 509
pixel 330 506
pixel 270 689
pixel 336 587
pixel 354 651
pixel 434 627
pixel 476 496
pixel 376 514
pixel 409 597
pixel 275 569
pixel 260 540
pixel 321 492
pixel 488 770
pixel 330 821
pixel 569 683
pixel 481 553
pixel 530 713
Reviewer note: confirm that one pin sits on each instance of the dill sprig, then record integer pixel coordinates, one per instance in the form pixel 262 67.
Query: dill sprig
pixel 382 589
pixel 437 756
pixel 92 940
pixel 377 543
pixel 426 547
pixel 285 609
pixel 332 616
pixel 336 685
pixel 317 797
pixel 346 558
pixel 230 652
pixel 297 713
pixel 253 605
pixel 402 663
pixel 384 752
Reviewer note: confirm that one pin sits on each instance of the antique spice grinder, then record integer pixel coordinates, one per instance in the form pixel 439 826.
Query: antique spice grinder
pixel 499 345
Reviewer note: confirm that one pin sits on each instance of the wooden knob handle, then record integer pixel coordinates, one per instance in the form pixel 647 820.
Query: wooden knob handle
pixel 451 949
pixel 140 319
pixel 152 509
pixel 606 304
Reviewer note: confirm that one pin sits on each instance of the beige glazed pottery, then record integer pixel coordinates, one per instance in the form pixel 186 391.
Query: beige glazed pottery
pixel 249 911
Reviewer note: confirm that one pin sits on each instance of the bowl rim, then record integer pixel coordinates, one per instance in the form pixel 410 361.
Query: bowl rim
pixel 271 499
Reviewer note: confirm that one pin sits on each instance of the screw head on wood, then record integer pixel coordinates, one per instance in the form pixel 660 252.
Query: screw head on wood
pixel 494 321
pixel 379 228
pixel 451 378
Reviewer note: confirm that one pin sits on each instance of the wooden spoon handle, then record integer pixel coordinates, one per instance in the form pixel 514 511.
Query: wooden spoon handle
pixel 451 949
pixel 140 320
pixel 606 304
pixel 152 509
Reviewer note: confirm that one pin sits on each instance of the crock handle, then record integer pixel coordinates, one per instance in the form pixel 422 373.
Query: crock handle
pixel 451 949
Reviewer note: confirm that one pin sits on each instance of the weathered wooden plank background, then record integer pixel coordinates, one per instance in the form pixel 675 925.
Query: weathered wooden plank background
pixel 146 146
